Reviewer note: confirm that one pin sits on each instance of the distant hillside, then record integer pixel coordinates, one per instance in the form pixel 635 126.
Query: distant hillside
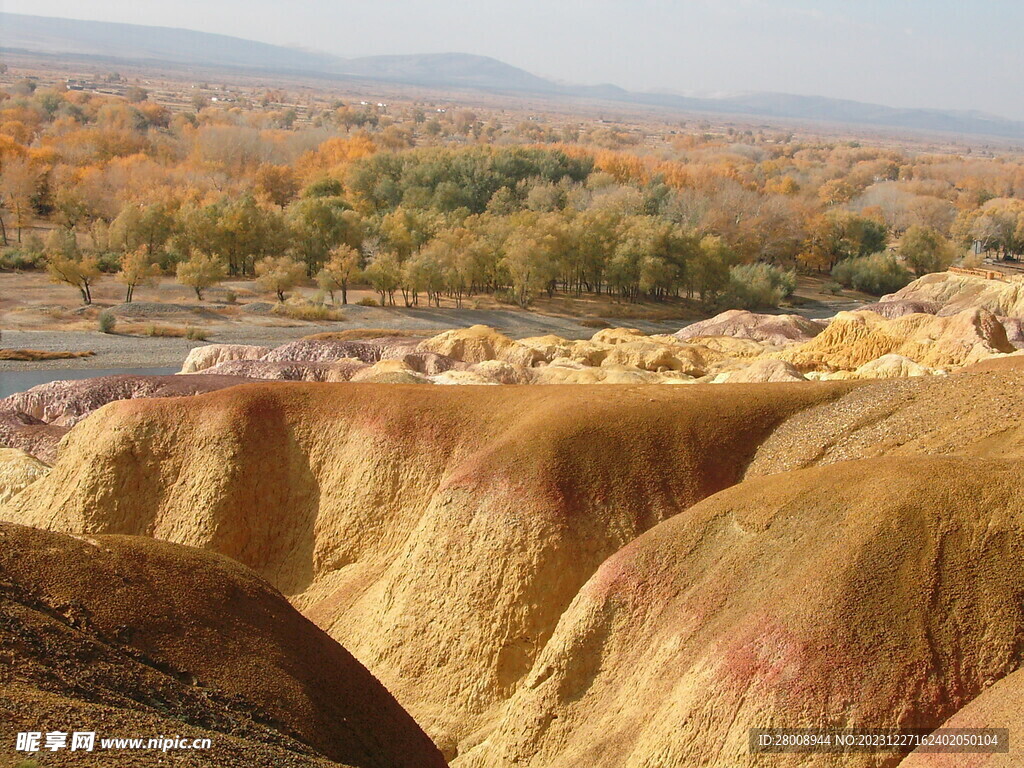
pixel 822 109
pixel 132 42
pixel 451 69
pixel 40 34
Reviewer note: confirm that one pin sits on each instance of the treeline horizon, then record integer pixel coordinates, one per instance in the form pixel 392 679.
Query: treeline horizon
pixel 453 206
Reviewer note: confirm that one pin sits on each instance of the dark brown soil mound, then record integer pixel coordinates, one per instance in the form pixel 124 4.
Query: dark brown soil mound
pixel 129 636
pixel 996 364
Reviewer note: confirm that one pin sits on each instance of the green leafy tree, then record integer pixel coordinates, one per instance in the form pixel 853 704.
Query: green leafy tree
pixel 529 263
pixel 319 224
pixel 406 230
pixel 709 269
pixel 137 269
pixel 384 274
pixel 279 274
pixel 842 235
pixel 422 273
pixel 925 250
pixel 340 271
pixel 460 257
pixel 201 271
pixel 148 226
pixel 248 232
pixel 65 263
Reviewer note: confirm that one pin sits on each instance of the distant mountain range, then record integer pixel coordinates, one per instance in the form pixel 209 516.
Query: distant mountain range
pixel 155 45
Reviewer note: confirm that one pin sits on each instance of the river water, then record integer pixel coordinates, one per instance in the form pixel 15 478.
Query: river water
pixel 12 382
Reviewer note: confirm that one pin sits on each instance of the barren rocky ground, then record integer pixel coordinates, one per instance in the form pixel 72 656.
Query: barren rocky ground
pixel 122 351
pixel 35 314
pixel 311 551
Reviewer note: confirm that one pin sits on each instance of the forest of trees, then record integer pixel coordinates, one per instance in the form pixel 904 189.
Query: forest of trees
pixel 423 209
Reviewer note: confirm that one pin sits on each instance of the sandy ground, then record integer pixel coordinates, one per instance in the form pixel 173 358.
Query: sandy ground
pixel 36 314
pixel 123 351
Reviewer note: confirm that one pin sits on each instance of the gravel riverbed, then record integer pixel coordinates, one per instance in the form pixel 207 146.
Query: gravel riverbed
pixel 123 351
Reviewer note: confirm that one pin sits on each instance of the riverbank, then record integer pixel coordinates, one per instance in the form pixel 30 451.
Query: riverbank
pixel 114 350
pixel 38 315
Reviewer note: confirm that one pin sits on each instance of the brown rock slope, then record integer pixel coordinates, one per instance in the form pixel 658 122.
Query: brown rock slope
pixel 338 370
pixel 18 470
pixel 1014 362
pixel 894 308
pixel 23 432
pixel 891 367
pixel 864 594
pixel 132 637
pixel 964 414
pixel 35 421
pixel 209 355
pixel 437 532
pixel 1014 331
pixel 764 371
pixel 762 348
pixel 477 344
pixel 65 403
pixel 741 324
pixel 1001 706
pixel 368 351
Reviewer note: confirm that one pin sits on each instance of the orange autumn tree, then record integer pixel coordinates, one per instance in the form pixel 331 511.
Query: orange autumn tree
pixel 334 156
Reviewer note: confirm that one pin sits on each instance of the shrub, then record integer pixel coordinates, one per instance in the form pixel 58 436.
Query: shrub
pixel 173 332
pixel 595 322
pixel 362 334
pixel 367 302
pixel 307 312
pixel 972 261
pixel 35 355
pixel 33 244
pixel 752 286
pixel 106 321
pixel 109 263
pixel 20 258
pixel 231 297
pixel 505 296
pixel 877 274
pixel 832 287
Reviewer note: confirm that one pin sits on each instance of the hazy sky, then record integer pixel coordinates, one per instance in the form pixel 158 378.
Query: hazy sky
pixel 915 53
